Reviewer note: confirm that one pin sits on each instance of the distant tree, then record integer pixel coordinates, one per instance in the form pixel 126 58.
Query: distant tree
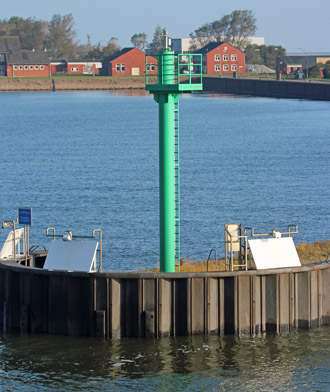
pixel 31 32
pixel 95 52
pixel 252 55
pixel 139 40
pixel 234 28
pixel 61 36
pixel 202 36
pixel 326 70
pixel 111 48
pixel 157 43
pixel 263 54
pixel 317 69
pixel 84 49
pixel 242 24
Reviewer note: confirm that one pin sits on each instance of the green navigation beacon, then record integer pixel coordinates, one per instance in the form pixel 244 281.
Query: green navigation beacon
pixel 167 75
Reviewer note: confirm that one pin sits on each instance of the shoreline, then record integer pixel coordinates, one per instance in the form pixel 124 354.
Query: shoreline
pixel 231 86
pixel 70 84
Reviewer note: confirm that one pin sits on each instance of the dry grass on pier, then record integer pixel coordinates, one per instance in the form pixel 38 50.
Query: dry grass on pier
pixel 308 253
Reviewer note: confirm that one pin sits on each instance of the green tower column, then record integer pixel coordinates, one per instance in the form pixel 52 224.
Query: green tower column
pixel 170 83
pixel 166 182
pixel 166 164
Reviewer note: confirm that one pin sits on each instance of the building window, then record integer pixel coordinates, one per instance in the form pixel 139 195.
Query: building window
pixel 36 67
pixel 74 69
pixel 152 67
pixel 118 67
pixel 21 67
pixel 226 67
pixel 225 48
pixel 42 67
pixel 148 67
pixel 123 68
pixel 217 67
pixel 2 58
pixel 217 57
pixel 15 68
pixel 225 57
pixel 234 57
pixel 234 67
pixel 31 67
pixel 26 67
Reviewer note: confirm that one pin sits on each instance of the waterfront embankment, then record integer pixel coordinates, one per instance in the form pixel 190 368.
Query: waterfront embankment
pixel 238 86
pixel 71 84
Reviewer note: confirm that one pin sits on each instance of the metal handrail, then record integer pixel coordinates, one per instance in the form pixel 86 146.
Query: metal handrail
pixel 216 260
pixel 35 247
pixel 53 229
pixel 289 232
pixel 237 240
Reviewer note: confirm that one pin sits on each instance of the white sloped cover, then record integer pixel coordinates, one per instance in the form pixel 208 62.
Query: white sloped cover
pixel 274 253
pixel 72 256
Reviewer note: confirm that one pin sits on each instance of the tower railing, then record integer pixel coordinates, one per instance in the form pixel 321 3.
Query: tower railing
pixel 186 72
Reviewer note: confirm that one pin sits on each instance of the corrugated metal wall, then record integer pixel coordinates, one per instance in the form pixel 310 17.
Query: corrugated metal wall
pixel 116 305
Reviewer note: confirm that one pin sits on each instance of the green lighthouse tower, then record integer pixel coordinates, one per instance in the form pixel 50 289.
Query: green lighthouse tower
pixel 167 75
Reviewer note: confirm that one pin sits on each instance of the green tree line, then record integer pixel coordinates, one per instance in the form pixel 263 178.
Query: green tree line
pixel 58 36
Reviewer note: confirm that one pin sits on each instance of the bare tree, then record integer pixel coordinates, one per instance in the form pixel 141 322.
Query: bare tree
pixel 139 40
pixel 111 48
pixel 61 36
pixel 157 43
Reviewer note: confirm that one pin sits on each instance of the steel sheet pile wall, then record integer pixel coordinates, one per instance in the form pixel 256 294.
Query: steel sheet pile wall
pixel 115 305
pixel 268 88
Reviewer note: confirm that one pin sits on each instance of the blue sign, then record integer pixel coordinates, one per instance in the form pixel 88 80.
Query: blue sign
pixel 25 216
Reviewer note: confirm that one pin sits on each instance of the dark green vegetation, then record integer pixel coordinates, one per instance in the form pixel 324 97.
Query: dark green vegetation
pixel 57 36
pixel 320 69
pixel 263 54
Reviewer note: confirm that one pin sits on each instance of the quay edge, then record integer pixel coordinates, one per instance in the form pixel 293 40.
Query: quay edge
pixel 269 88
pixel 127 305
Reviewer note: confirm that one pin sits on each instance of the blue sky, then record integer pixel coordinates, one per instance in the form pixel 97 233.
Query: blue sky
pixel 302 24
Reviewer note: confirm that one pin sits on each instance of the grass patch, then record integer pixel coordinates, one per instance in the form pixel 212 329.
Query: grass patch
pixel 313 253
pixel 308 253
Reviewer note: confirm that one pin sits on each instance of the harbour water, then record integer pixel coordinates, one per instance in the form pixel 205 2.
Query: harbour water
pixel 90 160
pixel 297 361
pixel 86 160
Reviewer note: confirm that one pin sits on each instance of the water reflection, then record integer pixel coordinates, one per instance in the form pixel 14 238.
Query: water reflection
pixel 277 362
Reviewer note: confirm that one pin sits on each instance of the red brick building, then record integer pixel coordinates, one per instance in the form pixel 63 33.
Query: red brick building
pixel 58 67
pixel 129 61
pixel 27 63
pixel 222 58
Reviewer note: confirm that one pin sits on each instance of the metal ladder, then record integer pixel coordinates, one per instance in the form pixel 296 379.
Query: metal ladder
pixel 177 184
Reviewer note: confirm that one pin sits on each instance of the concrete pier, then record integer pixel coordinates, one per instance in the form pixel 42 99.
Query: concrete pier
pixel 125 305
